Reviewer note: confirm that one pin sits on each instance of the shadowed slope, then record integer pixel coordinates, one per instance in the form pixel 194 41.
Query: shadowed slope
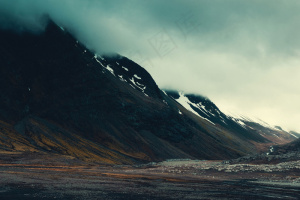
pixel 58 97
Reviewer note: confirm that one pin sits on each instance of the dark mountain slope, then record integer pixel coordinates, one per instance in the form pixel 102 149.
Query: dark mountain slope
pixel 259 133
pixel 59 98
pixel 286 148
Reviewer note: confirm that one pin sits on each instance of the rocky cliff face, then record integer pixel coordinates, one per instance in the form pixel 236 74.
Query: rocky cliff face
pixel 58 97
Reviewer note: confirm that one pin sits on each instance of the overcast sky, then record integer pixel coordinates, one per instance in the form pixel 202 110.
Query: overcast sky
pixel 243 55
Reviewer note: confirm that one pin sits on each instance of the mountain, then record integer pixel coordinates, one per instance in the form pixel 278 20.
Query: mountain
pixel 294 133
pixel 284 153
pixel 59 98
pixel 286 148
pixel 257 131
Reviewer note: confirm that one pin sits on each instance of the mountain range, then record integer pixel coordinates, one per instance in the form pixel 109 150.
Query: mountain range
pixel 60 98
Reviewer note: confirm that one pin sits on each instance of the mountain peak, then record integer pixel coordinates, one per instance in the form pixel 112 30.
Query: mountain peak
pixel 58 97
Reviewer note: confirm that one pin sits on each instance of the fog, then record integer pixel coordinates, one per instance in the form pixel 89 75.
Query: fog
pixel 243 55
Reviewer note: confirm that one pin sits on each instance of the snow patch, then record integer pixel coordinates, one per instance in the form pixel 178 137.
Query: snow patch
pixel 240 122
pixel 125 68
pixel 96 58
pixel 293 135
pixel 107 67
pixel 139 85
pixel 121 78
pixel 185 102
pixel 224 121
pixel 137 77
pixel 110 69
pixel 164 92
pixel 202 108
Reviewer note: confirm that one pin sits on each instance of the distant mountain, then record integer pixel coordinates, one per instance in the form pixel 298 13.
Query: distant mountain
pixel 286 148
pixel 276 154
pixel 294 133
pixel 259 132
pixel 57 97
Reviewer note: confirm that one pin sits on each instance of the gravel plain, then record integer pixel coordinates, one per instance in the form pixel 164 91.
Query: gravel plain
pixel 173 179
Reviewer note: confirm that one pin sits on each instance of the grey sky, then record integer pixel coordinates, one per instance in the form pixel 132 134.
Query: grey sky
pixel 243 55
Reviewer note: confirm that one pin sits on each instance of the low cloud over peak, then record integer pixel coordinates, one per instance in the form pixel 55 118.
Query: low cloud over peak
pixel 241 54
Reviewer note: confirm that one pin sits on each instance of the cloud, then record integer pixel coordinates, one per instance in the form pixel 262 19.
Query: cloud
pixel 256 27
pixel 241 54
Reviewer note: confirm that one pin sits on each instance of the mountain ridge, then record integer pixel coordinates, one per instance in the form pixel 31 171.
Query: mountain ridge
pixel 60 98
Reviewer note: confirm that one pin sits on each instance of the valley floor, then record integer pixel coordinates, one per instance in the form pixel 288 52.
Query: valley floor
pixel 175 179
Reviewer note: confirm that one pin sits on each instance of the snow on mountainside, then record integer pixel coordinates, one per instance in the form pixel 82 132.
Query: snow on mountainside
pixel 127 71
pixel 58 97
pixel 198 105
pixel 243 126
pixel 184 101
pixel 295 134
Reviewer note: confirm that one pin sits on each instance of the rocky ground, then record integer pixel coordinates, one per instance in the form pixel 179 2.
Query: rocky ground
pixel 267 158
pixel 172 179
